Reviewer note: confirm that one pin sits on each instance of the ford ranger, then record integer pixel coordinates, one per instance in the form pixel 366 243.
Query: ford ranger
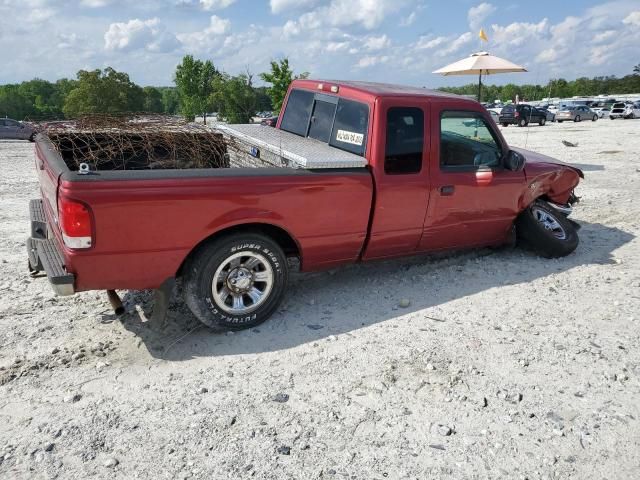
pixel 362 171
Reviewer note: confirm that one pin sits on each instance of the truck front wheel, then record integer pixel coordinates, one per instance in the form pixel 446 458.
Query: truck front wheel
pixel 235 282
pixel 546 231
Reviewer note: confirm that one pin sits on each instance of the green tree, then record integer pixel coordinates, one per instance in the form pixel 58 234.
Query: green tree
pixel 14 104
pixel 152 100
pixel 195 81
pixel 636 69
pixel 280 77
pixel 236 98
pixel 263 99
pixel 170 100
pixel 105 91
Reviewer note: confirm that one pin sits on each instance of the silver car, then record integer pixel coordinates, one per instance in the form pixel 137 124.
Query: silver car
pixel 12 129
pixel 576 114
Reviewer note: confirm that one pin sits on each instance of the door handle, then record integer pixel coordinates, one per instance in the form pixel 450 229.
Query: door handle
pixel 447 190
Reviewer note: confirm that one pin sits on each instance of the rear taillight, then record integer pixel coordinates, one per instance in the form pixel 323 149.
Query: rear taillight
pixel 75 222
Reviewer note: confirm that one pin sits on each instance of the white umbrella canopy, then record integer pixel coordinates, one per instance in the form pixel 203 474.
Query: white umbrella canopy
pixel 480 63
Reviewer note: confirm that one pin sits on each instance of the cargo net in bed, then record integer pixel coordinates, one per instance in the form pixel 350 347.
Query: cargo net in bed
pixel 138 142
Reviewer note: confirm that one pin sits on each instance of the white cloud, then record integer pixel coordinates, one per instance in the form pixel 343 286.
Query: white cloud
pixel 67 40
pixel 282 6
pixel 425 43
pixel 342 13
pixel 377 43
pixel 208 39
pixel 371 60
pixel 38 15
pixel 478 14
pixel 216 4
pixel 456 44
pixel 338 47
pixel 605 36
pixel 95 3
pixel 632 19
pixel 409 19
pixel 519 33
pixel 139 34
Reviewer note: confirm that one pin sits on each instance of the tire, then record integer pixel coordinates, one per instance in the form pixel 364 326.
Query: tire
pixel 242 256
pixel 611 118
pixel 542 121
pixel 595 118
pixel 522 122
pixel 505 124
pixel 546 231
pixel 577 119
pixel 632 116
pixel 560 121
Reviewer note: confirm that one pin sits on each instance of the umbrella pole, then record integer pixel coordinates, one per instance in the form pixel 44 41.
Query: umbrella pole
pixel 480 87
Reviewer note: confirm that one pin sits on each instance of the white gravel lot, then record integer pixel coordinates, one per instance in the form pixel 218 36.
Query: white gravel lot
pixel 505 365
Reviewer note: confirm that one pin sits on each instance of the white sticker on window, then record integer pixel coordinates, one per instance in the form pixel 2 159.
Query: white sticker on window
pixel 350 137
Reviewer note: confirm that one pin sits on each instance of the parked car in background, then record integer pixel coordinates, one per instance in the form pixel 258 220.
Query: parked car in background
pixel 553 108
pixel 269 122
pixel 576 114
pixel 602 112
pixel 495 116
pixel 521 115
pixel 551 116
pixel 625 110
pixel 15 130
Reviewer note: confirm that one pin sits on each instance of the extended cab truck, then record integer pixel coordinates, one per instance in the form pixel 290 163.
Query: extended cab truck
pixel 420 171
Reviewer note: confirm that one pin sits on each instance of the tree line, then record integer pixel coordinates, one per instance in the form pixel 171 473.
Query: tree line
pixel 581 87
pixel 200 87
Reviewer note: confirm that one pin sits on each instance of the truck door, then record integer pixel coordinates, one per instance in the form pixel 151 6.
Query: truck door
pixel 474 199
pixel 401 175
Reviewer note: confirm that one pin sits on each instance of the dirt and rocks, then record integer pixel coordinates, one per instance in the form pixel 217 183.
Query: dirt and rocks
pixel 486 364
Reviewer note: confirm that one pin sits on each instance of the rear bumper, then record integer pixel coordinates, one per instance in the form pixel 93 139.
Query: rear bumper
pixel 44 255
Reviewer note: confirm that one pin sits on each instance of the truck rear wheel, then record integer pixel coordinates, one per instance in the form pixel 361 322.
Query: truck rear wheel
pixel 546 231
pixel 235 282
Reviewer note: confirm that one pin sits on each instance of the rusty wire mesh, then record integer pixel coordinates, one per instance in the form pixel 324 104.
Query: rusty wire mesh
pixel 133 142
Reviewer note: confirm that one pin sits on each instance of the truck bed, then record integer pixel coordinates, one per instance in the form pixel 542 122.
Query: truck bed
pixel 146 222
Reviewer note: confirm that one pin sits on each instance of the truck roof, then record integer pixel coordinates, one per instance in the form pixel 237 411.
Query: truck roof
pixel 376 89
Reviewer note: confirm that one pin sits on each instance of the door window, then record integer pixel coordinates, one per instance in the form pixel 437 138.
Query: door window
pixel 466 141
pixel 405 140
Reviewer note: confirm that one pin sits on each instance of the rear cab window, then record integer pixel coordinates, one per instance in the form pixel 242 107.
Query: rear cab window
pixel 340 122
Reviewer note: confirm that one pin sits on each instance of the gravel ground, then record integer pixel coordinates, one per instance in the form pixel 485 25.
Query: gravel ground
pixel 504 365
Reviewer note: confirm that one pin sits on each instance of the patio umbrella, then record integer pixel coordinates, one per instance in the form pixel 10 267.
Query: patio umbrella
pixel 480 63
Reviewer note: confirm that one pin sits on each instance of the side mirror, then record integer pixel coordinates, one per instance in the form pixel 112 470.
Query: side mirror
pixel 515 161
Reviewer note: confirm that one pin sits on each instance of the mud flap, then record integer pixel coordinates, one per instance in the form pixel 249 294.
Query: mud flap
pixel 161 299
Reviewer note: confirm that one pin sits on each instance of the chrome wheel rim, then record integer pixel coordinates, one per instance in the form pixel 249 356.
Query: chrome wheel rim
pixel 549 222
pixel 242 282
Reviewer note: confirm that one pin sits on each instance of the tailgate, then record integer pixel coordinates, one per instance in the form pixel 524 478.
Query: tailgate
pixel 49 167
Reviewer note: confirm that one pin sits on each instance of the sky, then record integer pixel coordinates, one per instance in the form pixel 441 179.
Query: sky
pixel 394 41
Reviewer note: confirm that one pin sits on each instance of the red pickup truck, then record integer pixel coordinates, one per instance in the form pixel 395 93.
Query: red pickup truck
pixel 375 171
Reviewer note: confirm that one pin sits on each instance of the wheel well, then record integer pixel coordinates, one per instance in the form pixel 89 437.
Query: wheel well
pixel 288 244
